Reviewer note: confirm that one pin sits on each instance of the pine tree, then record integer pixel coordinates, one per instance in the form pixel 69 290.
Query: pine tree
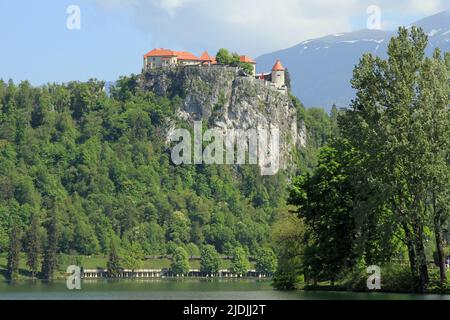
pixel 50 261
pixel 14 253
pixel 113 261
pixel 33 246
pixel 334 114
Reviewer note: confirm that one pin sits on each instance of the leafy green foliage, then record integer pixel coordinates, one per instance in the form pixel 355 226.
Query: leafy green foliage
pixel 100 166
pixel 240 264
pixel 180 262
pixel 325 201
pixel 400 120
pixel 233 59
pixel 132 256
pixel 80 169
pixel 210 260
pixel 381 187
pixel 266 261
pixel 290 236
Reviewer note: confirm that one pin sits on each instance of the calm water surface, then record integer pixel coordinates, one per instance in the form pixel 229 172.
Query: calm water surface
pixel 182 290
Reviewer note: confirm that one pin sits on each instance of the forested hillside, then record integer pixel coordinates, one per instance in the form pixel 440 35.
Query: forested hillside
pixel 80 168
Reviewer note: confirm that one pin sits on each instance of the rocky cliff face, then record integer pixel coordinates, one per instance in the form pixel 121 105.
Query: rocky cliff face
pixel 223 97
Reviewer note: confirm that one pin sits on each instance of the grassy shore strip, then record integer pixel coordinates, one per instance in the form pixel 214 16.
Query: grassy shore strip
pixel 394 282
pixel 341 288
pixel 95 262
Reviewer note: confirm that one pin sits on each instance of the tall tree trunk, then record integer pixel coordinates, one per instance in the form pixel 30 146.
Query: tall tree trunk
pixel 423 275
pixel 439 242
pixel 441 256
pixel 412 256
pixel 421 257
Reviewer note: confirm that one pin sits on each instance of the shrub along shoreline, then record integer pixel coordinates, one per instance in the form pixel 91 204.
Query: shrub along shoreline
pixel 395 278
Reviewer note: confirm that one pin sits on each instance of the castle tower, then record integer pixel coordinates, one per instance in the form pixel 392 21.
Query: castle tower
pixel 206 59
pixel 278 75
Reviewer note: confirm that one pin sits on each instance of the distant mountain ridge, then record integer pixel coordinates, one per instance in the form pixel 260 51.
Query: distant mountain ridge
pixel 321 69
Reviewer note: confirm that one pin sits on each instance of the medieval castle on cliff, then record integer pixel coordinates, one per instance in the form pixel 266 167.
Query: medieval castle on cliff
pixel 165 58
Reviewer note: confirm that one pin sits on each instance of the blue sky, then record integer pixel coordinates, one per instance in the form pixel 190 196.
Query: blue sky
pixel 114 34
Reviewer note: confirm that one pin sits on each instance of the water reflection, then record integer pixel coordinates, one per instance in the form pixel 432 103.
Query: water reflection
pixel 181 289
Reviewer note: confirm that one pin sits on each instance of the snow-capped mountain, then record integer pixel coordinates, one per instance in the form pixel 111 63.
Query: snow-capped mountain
pixel 321 68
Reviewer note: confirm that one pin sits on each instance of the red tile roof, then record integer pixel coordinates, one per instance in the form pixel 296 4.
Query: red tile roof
pixel 206 57
pixel 183 55
pixel 160 53
pixel 247 59
pixel 278 66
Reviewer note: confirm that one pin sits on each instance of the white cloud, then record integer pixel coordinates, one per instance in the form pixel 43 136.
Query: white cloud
pixel 427 7
pixel 253 26
pixel 171 6
pixel 416 7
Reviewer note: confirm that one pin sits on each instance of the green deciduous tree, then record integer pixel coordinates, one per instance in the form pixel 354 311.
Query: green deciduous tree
pixel 266 261
pixel 432 128
pixel 210 260
pixel 179 228
pixel 132 256
pixel 324 200
pixel 239 263
pixel 400 106
pixel 290 235
pixel 224 57
pixel 180 262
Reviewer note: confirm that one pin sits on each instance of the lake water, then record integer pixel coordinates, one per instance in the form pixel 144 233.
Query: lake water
pixel 186 289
